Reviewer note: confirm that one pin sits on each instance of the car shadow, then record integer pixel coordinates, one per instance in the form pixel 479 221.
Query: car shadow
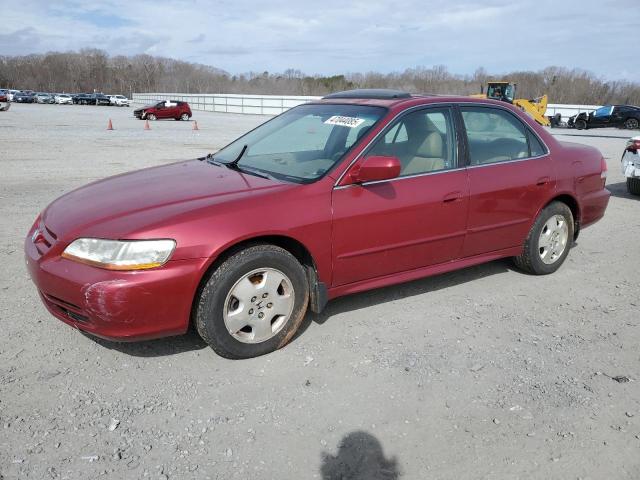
pixel 360 457
pixel 191 340
pixel 377 296
pixel 620 190
pixel 162 347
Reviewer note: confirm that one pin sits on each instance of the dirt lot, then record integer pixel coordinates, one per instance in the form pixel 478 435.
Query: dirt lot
pixel 483 373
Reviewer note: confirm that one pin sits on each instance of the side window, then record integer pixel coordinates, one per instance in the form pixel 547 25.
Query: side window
pixel 536 148
pixel 397 134
pixel 424 141
pixel 494 135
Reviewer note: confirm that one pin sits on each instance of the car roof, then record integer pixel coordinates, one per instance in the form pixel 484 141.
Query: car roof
pixel 397 99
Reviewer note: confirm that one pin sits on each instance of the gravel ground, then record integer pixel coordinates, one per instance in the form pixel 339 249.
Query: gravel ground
pixel 482 373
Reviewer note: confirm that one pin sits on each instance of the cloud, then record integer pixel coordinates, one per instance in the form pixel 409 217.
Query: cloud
pixel 335 36
pixel 199 39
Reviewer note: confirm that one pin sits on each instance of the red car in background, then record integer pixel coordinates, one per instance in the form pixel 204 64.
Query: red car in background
pixel 164 109
pixel 359 190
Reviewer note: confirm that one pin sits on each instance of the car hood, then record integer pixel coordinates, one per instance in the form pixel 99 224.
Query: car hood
pixel 121 206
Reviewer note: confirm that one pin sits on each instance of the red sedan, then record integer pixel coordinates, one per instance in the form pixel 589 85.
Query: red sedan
pixel 360 190
pixel 164 109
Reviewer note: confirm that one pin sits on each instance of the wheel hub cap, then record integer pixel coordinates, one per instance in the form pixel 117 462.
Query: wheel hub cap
pixel 259 305
pixel 553 239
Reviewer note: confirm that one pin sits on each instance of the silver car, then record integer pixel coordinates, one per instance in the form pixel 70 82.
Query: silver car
pixel 631 165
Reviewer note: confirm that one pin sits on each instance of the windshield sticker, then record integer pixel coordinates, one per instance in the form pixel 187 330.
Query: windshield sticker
pixel 351 122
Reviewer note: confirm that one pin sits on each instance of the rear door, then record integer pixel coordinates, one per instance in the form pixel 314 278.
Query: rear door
pixel 415 220
pixel 511 175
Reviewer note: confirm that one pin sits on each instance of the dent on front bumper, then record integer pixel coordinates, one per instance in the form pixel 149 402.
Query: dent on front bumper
pixel 133 305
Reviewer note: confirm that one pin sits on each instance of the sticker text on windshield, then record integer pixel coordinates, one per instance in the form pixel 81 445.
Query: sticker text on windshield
pixel 351 122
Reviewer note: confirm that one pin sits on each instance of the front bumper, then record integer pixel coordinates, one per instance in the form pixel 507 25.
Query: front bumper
pixel 115 305
pixel 631 164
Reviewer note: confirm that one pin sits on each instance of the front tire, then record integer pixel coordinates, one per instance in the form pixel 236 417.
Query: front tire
pixel 184 117
pixel 151 116
pixel 580 124
pixel 633 186
pixel 253 302
pixel 549 240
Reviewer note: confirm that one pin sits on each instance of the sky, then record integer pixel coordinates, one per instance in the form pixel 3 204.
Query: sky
pixel 340 36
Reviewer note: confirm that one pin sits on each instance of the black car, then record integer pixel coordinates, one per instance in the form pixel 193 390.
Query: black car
pixel 100 99
pixel 626 116
pixel 23 97
pixel 83 99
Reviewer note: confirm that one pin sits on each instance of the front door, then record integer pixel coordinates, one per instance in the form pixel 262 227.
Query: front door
pixel 412 221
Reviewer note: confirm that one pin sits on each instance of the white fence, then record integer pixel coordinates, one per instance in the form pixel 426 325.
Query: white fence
pixel 567 111
pixel 276 104
pixel 229 103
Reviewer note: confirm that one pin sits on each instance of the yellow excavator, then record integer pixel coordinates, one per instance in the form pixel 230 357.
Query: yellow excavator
pixel 506 92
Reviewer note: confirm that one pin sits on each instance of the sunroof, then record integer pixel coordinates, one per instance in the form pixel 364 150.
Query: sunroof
pixel 377 93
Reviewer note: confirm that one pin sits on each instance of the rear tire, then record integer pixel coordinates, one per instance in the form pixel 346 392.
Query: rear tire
pixel 633 186
pixel 253 302
pixel 184 117
pixel 549 240
pixel 631 123
pixel 580 124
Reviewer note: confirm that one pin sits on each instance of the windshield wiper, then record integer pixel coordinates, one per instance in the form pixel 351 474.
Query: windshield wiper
pixel 257 173
pixel 234 164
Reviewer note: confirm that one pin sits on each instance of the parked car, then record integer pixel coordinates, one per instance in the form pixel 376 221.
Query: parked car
pixel 42 97
pixel 83 99
pixel 626 116
pixel 119 100
pixel 164 109
pixel 22 97
pixel 63 99
pixel 4 101
pixel 359 190
pixel 100 99
pixel 631 165
pixel 11 93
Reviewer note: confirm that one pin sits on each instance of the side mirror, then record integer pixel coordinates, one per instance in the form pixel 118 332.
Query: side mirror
pixel 375 168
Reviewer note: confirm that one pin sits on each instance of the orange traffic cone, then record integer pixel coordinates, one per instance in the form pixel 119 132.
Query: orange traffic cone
pixel 146 125
pixel 195 125
pixel 110 126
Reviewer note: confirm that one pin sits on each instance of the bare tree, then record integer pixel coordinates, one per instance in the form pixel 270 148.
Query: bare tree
pixel 94 70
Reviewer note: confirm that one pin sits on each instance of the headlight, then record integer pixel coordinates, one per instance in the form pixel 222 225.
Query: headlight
pixel 120 255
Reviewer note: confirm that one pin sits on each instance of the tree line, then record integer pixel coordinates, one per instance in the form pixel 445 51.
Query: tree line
pixel 92 70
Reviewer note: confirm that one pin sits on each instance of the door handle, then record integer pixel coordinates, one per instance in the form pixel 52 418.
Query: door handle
pixel 542 181
pixel 452 197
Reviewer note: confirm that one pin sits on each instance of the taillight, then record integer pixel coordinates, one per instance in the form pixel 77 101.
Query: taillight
pixel 603 168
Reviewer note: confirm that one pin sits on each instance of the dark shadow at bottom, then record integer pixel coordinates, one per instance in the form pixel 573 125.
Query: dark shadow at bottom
pixel 360 457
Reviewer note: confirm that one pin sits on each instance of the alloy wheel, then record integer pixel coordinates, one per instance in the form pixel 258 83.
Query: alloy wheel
pixel 553 239
pixel 259 305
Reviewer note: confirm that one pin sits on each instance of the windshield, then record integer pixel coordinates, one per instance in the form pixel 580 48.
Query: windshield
pixel 303 143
